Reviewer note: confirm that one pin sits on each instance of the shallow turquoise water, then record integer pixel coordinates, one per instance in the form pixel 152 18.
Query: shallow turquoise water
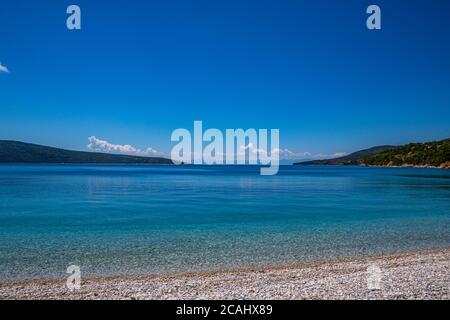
pixel 115 219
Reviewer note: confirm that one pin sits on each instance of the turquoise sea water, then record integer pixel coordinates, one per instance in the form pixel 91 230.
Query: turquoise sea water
pixel 115 219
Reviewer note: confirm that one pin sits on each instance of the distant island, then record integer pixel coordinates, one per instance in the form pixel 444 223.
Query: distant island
pixel 434 154
pixel 21 152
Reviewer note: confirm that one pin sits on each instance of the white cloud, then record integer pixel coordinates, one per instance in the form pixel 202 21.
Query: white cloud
pixel 340 154
pixel 3 68
pixel 99 145
pixel 286 154
pixel 250 148
pixel 321 156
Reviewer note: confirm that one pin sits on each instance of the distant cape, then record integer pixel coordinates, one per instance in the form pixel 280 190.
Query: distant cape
pixel 353 159
pixel 435 154
pixel 21 152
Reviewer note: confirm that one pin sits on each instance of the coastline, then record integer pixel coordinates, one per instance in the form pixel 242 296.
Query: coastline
pixel 412 275
pixel 445 165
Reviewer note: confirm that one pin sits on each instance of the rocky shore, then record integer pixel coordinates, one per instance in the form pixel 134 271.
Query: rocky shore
pixel 418 275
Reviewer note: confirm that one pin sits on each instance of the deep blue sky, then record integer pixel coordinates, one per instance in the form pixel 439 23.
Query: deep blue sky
pixel 139 69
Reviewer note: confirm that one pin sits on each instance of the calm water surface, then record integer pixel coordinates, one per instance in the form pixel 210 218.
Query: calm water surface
pixel 115 219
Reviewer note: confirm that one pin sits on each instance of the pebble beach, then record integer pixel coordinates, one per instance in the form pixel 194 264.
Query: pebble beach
pixel 414 275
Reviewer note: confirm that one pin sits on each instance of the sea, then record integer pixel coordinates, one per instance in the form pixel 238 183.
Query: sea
pixel 160 219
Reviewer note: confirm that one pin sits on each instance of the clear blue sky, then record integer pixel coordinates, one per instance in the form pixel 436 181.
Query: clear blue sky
pixel 139 69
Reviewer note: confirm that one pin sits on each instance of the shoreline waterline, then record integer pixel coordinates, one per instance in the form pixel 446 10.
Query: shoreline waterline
pixel 422 270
